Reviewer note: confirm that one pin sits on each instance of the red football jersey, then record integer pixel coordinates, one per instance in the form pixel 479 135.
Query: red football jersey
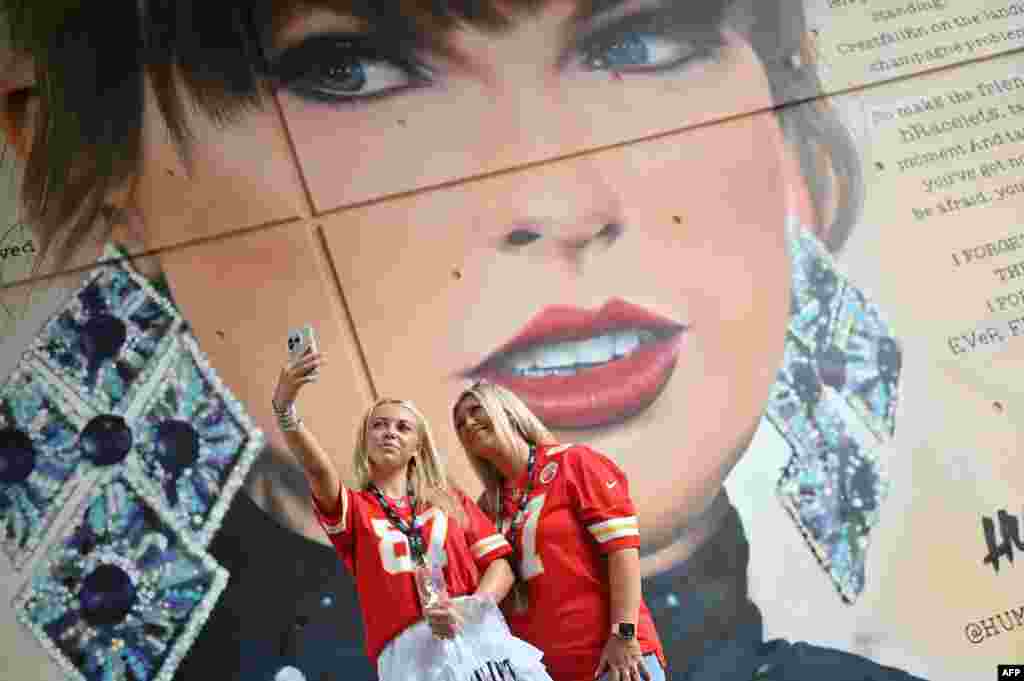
pixel 378 556
pixel 578 511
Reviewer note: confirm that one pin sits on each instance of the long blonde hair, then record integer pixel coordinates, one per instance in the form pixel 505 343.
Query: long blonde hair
pixel 430 482
pixel 512 420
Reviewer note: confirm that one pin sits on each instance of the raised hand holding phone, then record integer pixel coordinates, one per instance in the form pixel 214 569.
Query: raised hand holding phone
pixel 301 342
pixel 303 366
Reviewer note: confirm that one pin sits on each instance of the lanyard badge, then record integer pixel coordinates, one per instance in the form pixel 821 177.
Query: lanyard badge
pixel 518 594
pixel 427 570
pixel 430 583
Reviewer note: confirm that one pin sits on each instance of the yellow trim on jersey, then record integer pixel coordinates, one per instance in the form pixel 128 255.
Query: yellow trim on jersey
pixel 487 545
pixel 338 527
pixel 614 529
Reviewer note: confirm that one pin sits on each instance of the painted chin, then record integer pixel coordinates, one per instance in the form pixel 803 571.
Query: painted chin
pixel 579 368
pixel 669 525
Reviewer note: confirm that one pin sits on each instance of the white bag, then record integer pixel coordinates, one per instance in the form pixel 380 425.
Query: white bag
pixel 484 650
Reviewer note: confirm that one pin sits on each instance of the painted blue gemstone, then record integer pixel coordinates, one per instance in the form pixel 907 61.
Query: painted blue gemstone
pixel 102 338
pixel 889 359
pixel 805 383
pixel 177 446
pixel 863 485
pixel 832 367
pixel 106 440
pixel 107 595
pixel 824 283
pixel 17 456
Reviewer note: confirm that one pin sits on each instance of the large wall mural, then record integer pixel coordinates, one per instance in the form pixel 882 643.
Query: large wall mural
pixel 765 254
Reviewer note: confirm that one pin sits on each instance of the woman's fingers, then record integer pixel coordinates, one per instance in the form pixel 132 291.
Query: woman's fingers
pixel 302 371
pixel 457 618
pixel 295 375
pixel 444 620
pixel 442 629
pixel 622 668
pixel 307 362
pixel 630 671
pixel 449 617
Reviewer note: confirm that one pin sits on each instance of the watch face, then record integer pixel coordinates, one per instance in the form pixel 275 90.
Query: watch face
pixel 626 630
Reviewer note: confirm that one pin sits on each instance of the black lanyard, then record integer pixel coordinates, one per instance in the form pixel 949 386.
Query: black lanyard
pixel 512 534
pixel 409 529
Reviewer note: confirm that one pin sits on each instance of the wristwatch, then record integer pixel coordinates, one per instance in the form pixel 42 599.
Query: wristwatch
pixel 624 630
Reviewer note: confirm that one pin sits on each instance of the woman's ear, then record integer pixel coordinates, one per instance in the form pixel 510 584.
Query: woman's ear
pixel 799 197
pixel 127 228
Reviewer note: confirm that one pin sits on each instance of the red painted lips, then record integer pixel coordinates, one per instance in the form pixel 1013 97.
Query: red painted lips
pixel 584 368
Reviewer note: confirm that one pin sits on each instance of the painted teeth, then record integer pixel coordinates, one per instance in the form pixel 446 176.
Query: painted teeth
pixel 566 358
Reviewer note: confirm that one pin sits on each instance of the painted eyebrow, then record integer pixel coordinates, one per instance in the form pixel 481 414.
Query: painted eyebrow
pixel 387 19
pixel 382 20
pixel 604 12
pixel 672 17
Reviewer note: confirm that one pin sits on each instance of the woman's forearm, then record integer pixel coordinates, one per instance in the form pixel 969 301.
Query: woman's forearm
pixel 496 580
pixel 624 586
pixel 324 480
pixel 323 476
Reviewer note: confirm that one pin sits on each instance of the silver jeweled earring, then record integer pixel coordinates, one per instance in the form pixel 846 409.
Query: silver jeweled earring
pixel 114 408
pixel 834 401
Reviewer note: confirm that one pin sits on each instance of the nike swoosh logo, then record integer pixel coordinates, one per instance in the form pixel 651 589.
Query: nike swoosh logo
pixel 612 483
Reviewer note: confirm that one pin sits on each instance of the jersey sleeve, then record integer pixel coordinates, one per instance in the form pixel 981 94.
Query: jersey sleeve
pixel 599 492
pixel 337 522
pixel 485 542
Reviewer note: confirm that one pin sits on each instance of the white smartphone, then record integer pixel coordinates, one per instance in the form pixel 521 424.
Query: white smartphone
pixel 299 342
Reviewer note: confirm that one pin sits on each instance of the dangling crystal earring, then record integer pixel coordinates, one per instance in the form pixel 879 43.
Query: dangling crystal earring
pixel 114 403
pixel 834 401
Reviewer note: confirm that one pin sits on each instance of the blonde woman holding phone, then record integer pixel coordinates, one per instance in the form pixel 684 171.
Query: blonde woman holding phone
pixel 429 566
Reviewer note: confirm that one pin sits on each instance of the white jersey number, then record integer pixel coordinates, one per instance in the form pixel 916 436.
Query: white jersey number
pixel 530 564
pixel 391 538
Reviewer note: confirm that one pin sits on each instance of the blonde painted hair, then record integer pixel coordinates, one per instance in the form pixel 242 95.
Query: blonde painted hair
pixel 430 482
pixel 512 421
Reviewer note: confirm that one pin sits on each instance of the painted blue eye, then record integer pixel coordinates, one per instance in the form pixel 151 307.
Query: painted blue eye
pixel 356 77
pixel 612 54
pixel 348 76
pixel 334 68
pixel 635 51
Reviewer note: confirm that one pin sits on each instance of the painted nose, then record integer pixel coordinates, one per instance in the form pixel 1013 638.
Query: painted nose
pixel 572 213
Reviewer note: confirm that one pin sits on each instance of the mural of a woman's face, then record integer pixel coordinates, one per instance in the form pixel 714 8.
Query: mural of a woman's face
pixel 617 291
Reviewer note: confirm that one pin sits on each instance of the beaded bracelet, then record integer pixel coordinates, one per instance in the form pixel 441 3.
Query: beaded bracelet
pixel 287 418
